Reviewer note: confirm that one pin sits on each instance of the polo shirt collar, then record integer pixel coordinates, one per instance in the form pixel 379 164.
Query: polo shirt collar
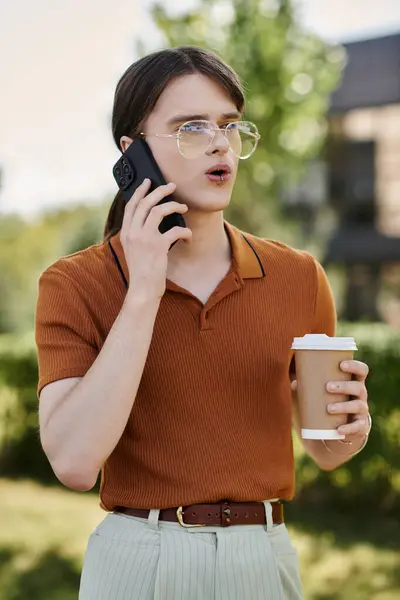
pixel 244 255
pixel 245 258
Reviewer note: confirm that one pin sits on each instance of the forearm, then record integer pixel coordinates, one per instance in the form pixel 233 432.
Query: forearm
pixel 86 426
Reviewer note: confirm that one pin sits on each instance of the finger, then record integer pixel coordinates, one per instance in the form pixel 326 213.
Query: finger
pixel 146 204
pixel 360 427
pixel 131 206
pixel 177 233
pixel 349 388
pixel 293 385
pixel 355 367
pixel 159 212
pixel 354 407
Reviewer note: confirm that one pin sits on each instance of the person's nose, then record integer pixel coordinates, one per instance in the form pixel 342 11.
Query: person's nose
pixel 220 144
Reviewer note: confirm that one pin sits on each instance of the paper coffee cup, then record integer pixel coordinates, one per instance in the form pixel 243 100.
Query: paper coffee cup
pixel 318 359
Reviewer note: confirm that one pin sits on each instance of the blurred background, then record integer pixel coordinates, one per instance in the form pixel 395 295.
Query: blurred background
pixel 323 85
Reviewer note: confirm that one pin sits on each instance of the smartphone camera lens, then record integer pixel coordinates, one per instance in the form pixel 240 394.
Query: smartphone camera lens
pixel 117 171
pixel 122 182
pixel 126 169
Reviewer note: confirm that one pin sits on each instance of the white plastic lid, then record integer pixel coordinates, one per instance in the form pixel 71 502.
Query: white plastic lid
pixel 321 341
pixel 321 434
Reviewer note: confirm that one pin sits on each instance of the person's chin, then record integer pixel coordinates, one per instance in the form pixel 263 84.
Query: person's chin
pixel 211 202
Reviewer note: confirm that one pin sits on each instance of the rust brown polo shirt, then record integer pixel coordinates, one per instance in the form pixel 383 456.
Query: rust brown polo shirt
pixel 212 418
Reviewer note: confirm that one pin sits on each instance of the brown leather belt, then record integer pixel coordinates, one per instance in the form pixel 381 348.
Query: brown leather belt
pixel 223 514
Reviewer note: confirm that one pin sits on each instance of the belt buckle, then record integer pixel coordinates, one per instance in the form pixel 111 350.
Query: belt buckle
pixel 179 515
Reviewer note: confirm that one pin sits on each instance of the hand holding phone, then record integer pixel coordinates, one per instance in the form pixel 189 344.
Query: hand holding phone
pixel 146 250
pixel 136 164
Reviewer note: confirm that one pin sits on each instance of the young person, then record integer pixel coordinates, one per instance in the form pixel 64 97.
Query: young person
pixel 169 370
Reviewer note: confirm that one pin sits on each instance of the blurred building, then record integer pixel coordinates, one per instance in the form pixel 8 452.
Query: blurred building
pixel 359 178
pixel 363 159
pixel 365 132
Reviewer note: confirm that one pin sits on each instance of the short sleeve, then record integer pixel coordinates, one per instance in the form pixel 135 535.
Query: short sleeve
pixel 325 311
pixel 64 331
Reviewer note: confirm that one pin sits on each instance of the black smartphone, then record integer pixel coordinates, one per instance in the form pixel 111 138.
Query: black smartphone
pixel 136 164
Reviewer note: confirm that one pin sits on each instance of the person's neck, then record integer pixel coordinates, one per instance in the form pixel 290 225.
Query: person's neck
pixel 209 244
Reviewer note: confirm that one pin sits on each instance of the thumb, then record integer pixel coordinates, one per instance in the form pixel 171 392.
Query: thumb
pixel 293 385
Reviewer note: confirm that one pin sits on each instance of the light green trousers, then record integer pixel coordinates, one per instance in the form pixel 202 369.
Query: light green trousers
pixel 128 558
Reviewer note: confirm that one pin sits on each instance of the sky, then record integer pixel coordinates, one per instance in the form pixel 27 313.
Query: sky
pixel 59 68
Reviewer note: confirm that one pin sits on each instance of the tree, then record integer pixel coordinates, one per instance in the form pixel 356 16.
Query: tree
pixel 28 248
pixel 288 74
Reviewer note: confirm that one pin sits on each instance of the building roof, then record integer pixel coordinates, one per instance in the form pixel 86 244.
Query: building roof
pixel 371 76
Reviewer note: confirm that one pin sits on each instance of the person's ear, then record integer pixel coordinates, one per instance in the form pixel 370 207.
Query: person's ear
pixel 125 142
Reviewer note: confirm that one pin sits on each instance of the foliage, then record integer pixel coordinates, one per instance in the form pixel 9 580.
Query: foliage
pixel 43 539
pixel 52 576
pixel 288 75
pixel 27 248
pixel 20 451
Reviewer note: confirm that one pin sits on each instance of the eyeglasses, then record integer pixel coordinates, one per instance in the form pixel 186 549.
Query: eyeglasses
pixel 194 138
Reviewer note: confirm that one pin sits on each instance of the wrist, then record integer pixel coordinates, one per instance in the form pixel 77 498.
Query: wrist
pixel 349 447
pixel 141 299
pixel 352 445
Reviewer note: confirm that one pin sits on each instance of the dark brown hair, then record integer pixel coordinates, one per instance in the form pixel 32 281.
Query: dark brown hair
pixel 141 86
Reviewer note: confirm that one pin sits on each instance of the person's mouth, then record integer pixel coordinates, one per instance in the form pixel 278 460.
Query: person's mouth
pixel 219 173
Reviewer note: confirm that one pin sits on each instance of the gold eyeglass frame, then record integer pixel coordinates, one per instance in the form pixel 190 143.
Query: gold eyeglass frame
pixel 214 129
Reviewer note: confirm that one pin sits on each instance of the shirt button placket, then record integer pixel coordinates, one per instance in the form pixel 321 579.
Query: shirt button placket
pixel 204 322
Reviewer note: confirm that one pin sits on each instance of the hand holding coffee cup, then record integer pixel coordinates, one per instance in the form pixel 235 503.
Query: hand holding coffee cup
pixel 356 409
pixel 318 358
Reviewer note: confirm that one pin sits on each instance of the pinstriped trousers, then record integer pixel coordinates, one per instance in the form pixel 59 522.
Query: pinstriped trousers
pixel 129 558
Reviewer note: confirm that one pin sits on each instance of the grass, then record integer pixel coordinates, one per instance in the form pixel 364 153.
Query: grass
pixel 43 537
pixel 44 532
pixel 42 517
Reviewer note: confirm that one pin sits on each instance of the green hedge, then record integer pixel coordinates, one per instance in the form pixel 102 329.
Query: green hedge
pixel 21 454
pixel 371 479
